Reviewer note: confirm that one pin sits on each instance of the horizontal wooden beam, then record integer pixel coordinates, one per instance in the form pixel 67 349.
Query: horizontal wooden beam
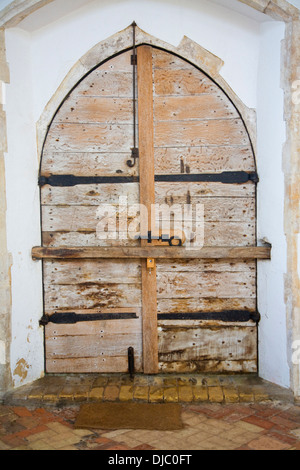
pixel 156 252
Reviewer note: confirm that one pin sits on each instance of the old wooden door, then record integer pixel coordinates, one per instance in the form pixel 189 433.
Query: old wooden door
pixel 185 314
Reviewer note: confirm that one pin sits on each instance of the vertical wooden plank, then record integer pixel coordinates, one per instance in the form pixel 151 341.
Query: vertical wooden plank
pixel 147 198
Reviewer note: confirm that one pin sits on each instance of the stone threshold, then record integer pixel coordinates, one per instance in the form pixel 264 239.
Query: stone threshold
pixel 58 390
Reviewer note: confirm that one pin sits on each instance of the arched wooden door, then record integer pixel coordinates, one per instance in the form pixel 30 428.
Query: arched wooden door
pixel 190 312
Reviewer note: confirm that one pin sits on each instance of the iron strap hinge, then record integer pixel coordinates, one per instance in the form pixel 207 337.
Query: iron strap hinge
pixel 227 316
pixel 71 318
pixel 227 177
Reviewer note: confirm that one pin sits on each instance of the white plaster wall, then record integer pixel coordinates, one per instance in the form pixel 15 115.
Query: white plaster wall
pixel 23 227
pixel 227 34
pixel 40 55
pixel 271 137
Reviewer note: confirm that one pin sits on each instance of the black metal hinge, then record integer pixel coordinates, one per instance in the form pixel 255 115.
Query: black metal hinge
pixel 230 316
pixel 65 181
pixel 71 318
pixel 227 177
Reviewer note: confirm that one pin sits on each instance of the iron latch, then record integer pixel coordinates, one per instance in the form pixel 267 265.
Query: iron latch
pixel 134 155
pixel 172 240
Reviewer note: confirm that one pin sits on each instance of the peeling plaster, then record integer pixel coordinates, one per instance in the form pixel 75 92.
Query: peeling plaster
pixel 21 371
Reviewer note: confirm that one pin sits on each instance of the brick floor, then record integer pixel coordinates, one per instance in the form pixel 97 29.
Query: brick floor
pixel 272 426
pixel 219 413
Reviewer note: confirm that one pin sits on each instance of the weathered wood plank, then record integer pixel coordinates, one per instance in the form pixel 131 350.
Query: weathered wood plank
pixel 194 265
pixel 147 198
pixel 87 163
pixel 91 194
pixel 207 343
pixel 104 271
pixel 204 304
pixel 197 190
pixel 202 324
pixel 85 239
pixel 102 82
pixel 216 234
pixel 182 82
pixel 86 295
pixel 212 367
pixel 81 218
pixel 198 133
pixel 166 61
pixel 209 284
pixel 215 209
pixel 196 160
pixel 89 137
pixel 119 63
pixel 182 108
pixel 72 218
pixel 251 252
pixel 94 365
pixel 96 109
pixel 125 327
pixel 93 345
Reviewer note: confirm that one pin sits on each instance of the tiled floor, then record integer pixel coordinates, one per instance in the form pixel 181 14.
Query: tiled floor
pixel 219 412
pixel 207 427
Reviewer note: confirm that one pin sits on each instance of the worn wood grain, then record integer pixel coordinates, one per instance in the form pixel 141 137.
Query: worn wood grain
pixel 251 252
pixel 90 137
pixel 197 133
pixel 204 304
pixel 94 365
pixel 72 218
pixel 85 239
pixel 207 343
pixel 95 164
pixel 90 195
pixel 198 190
pixel 209 367
pixel 147 198
pixel 182 82
pixel 166 61
pixel 216 234
pixel 92 345
pixel 96 109
pixel 106 271
pixel 182 108
pixel 91 295
pixel 112 83
pixel 223 284
pixel 195 265
pixel 215 209
pixel 196 160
